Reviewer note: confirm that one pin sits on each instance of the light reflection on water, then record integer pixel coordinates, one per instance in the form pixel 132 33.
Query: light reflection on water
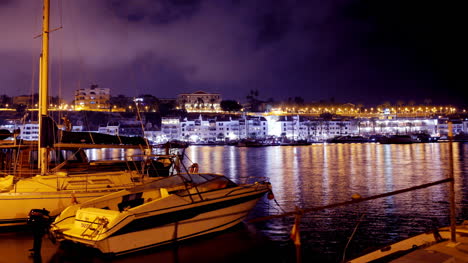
pixel 322 174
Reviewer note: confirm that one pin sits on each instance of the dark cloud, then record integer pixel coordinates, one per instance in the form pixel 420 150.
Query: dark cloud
pixel 156 12
pixel 357 51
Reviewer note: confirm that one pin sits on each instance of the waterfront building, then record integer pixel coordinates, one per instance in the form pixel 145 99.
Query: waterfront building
pixel 256 127
pixel 204 129
pixel 374 126
pixel 93 98
pixel 111 128
pixel 458 126
pixel 309 128
pixel 31 101
pixel 29 131
pixel 23 100
pixel 199 101
pixel 170 129
pixel 197 129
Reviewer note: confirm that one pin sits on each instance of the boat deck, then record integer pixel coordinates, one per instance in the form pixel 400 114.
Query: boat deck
pixel 429 247
pixel 446 252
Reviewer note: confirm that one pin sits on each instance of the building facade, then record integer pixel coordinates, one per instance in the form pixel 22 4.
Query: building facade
pixel 93 98
pixel 199 101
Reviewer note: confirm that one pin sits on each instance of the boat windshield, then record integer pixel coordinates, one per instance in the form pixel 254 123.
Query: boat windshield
pixel 182 180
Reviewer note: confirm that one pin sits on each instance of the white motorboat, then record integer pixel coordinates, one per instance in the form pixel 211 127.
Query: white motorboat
pixel 161 212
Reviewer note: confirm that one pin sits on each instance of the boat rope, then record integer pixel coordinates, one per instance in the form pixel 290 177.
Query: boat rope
pixel 281 208
pixel 351 237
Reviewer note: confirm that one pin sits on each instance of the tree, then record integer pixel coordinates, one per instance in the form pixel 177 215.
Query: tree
pixel 327 116
pixel 21 108
pixel 121 101
pixel 5 100
pixel 298 100
pixel 150 102
pixel 200 104
pixel 253 100
pixel 230 105
pixel 166 108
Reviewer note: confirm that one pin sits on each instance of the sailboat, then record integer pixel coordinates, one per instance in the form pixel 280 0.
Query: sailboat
pixel 67 183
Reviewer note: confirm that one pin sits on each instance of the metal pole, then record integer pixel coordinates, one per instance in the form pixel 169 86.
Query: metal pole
pixel 453 213
pixel 43 84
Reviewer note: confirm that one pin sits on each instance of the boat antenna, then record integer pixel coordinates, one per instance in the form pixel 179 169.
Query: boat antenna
pixel 43 86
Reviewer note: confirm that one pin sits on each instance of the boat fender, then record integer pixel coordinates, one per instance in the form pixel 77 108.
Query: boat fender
pixel 356 197
pixel 270 195
pixel 73 201
pixel 193 168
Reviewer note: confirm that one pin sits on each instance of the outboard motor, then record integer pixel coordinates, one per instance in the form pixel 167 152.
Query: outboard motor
pixel 38 216
pixel 39 221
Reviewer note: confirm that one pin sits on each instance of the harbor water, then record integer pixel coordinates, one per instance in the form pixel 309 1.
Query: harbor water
pixel 304 177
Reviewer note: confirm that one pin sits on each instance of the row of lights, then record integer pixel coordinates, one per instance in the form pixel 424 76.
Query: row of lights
pixel 371 110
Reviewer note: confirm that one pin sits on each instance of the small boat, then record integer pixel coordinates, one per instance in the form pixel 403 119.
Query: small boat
pixel 348 139
pixel 294 143
pixel 161 212
pixel 175 144
pixel 397 139
pixel 250 143
pixel 4 134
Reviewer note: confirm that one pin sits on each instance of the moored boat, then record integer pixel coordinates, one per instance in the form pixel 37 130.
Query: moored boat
pixel 161 212
pixel 397 139
pixel 348 139
pixel 250 143
pixel 4 134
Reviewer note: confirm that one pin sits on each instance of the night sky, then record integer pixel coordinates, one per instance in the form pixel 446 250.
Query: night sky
pixel 363 52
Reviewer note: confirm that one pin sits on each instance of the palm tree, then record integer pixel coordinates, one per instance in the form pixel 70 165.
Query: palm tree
pixel 212 101
pixel 200 103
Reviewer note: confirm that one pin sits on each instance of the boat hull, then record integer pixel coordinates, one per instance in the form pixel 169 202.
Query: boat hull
pixel 55 193
pixel 19 204
pixel 202 224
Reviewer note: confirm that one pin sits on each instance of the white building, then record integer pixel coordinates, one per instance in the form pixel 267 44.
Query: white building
pixel 199 101
pixel 443 127
pixel 303 128
pixel 397 126
pixel 92 98
pixel 112 128
pixel 212 129
pixel 29 131
pixel 170 129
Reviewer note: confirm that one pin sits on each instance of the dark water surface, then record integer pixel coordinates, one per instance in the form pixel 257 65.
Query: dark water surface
pixel 306 176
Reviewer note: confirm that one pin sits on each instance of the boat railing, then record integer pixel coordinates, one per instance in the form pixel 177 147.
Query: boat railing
pixel 95 227
pixel 249 179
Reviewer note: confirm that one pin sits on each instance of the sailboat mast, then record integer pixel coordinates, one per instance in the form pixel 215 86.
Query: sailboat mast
pixel 44 85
